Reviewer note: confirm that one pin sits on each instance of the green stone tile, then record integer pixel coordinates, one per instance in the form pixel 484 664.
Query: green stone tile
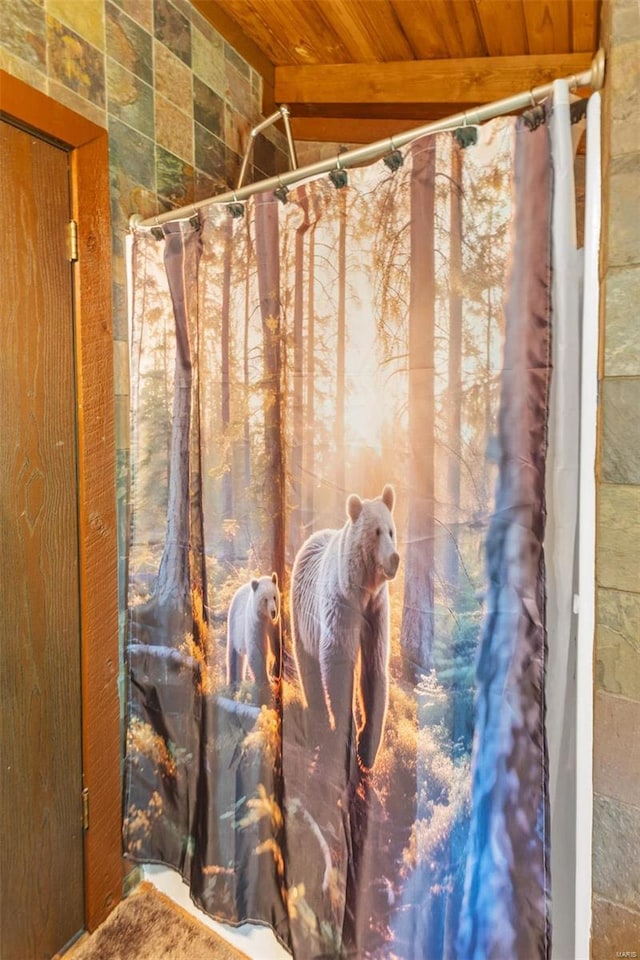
pixel 624 222
pixel 622 330
pixel 623 74
pixel 121 368
pixel 173 80
pixel 173 29
pixel 184 7
pixel 75 101
pixel 75 62
pixel 256 86
pixel 122 519
pixel 237 61
pixel 174 129
pixel 23 31
pixel 208 108
pixel 616 841
pixel 621 430
pixel 129 44
pixel 129 99
pixel 119 307
pixel 139 10
pixel 618 537
pixel 175 178
pixel 239 94
pixel 34 76
pixel 207 59
pixel 86 18
pixel 121 410
pixel 131 154
pixel 206 187
pixel 617 666
pixel 210 154
pixel 237 130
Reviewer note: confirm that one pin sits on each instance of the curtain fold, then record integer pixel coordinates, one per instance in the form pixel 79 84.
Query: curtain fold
pixel 336 621
pixel 562 520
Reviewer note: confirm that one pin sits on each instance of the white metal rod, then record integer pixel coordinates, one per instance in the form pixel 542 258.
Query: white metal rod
pixel 589 78
pixel 287 129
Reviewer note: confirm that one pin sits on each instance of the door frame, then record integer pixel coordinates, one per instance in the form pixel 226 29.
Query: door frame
pixel 97 529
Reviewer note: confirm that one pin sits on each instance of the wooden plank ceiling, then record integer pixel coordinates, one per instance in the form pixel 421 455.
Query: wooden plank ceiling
pixel 360 70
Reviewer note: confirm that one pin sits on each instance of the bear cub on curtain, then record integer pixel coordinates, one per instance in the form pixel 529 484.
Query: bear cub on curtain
pixel 253 634
pixel 340 614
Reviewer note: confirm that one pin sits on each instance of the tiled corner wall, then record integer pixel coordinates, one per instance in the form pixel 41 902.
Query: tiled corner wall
pixel 178 103
pixel 616 827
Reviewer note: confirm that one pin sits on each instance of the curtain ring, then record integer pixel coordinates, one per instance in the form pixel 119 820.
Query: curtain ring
pixel 533 100
pixel 338 162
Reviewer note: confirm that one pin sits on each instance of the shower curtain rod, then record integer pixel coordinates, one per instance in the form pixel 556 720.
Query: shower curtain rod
pixel 593 77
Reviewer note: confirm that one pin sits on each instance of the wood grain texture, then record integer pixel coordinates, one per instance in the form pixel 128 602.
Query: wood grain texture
pixel 365 35
pixel 585 19
pixel 96 469
pixel 547 25
pixel 472 81
pixel 503 26
pixel 98 531
pixel 41 812
pixel 367 31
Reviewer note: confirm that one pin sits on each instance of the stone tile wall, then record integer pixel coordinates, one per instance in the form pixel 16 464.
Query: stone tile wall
pixel 178 103
pixel 616 826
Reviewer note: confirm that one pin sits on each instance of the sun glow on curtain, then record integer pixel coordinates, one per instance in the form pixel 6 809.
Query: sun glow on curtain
pixel 336 640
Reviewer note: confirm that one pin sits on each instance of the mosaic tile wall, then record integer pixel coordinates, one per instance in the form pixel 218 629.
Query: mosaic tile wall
pixel 178 103
pixel 616 814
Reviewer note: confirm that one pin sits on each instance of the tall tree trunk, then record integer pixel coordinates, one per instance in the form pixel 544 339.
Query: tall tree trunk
pixel 225 351
pixel 417 611
pixel 454 385
pixel 246 513
pixel 268 262
pixel 310 440
pixel 297 446
pixel 341 350
pixel 173 583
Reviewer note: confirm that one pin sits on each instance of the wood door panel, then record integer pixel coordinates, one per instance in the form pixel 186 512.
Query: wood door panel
pixel 41 846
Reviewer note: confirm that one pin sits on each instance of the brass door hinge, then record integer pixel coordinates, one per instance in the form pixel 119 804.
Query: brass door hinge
pixel 72 241
pixel 85 808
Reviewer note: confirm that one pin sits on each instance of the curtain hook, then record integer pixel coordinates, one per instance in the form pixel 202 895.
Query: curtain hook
pixel 339 177
pixel 281 191
pixel 236 209
pixel 156 230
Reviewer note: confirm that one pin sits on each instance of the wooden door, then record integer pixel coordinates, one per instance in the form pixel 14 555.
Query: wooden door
pixel 41 834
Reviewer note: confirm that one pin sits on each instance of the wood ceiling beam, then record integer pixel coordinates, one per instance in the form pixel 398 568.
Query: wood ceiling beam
pixel 349 130
pixel 363 89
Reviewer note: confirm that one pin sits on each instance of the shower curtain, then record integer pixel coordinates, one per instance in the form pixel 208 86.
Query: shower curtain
pixel 336 636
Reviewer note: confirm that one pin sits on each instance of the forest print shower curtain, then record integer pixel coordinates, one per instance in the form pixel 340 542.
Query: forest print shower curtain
pixel 336 633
